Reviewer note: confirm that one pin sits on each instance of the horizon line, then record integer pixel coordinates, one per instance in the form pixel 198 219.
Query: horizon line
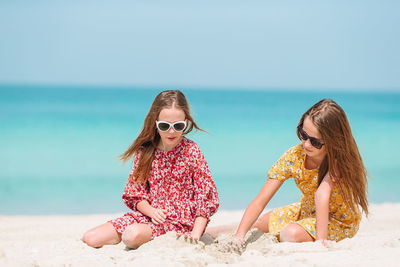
pixel 205 88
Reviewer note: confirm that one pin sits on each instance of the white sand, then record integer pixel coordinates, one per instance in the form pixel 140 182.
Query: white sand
pixel 55 241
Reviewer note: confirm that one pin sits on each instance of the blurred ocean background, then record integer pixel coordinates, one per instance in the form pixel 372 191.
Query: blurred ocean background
pixel 59 145
pixel 78 77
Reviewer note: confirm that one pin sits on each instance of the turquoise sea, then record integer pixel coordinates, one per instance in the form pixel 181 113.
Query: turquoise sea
pixel 59 145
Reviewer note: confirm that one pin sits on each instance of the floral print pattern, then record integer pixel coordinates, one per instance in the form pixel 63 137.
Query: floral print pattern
pixel 343 221
pixel 179 182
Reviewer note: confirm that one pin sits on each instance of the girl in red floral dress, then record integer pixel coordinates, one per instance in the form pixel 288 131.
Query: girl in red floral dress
pixel 170 187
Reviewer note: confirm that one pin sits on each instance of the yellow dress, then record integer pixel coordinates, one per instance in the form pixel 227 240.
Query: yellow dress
pixel 343 221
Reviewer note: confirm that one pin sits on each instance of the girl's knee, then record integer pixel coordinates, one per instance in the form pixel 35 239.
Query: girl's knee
pixel 294 233
pixel 101 235
pixel 134 236
pixel 90 238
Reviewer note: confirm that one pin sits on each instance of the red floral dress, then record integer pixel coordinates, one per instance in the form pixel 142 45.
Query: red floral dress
pixel 180 182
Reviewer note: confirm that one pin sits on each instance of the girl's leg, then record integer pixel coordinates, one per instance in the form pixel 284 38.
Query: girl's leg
pixel 295 233
pixel 101 235
pixel 215 231
pixel 261 224
pixel 136 235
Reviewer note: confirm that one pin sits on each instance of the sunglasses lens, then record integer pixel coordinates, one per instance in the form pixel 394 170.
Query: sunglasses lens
pixel 302 134
pixel 179 126
pixel 163 126
pixel 315 143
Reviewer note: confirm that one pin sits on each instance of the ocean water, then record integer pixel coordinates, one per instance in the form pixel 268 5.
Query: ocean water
pixel 59 145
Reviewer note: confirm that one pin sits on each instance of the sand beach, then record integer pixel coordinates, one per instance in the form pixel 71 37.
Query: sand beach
pixel 55 241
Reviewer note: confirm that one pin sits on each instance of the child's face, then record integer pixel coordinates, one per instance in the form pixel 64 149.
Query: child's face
pixel 311 130
pixel 170 138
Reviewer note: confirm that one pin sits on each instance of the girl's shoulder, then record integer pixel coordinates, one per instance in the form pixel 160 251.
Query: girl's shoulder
pixel 139 151
pixel 189 144
pixel 190 147
pixel 138 154
pixel 296 152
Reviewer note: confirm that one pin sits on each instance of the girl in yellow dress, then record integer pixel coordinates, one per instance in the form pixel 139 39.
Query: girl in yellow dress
pixel 328 170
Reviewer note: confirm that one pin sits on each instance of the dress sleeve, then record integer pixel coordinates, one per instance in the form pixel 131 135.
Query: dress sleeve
pixel 283 168
pixel 206 195
pixel 134 191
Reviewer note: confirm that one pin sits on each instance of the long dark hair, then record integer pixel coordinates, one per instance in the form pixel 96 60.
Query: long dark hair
pixel 149 138
pixel 343 160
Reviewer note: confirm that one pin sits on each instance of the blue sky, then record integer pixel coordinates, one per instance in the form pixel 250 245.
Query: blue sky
pixel 320 45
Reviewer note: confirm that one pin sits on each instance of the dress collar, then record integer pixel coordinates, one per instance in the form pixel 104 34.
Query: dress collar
pixel 175 150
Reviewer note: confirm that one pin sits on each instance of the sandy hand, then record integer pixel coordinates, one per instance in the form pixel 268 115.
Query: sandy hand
pixel 231 244
pixel 326 243
pixel 188 237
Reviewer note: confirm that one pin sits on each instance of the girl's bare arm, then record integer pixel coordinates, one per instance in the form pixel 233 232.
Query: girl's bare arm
pixel 257 206
pixel 200 224
pixel 322 197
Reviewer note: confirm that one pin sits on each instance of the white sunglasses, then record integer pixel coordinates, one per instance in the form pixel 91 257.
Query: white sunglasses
pixel 164 126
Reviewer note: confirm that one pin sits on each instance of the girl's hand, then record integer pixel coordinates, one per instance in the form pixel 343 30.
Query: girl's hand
pixel 195 236
pixel 200 224
pixel 158 216
pixel 229 244
pixel 325 242
pixel 189 237
pixel 239 239
pixel 196 233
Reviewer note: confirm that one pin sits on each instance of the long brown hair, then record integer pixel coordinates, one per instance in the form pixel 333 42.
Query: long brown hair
pixel 149 137
pixel 343 160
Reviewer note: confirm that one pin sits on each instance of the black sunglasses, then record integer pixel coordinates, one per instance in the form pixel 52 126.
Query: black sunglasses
pixel 304 136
